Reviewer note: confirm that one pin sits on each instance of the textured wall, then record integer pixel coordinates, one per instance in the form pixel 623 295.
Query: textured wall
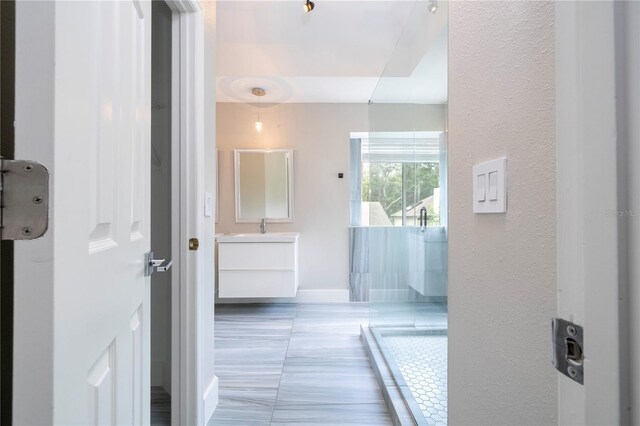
pixel 502 267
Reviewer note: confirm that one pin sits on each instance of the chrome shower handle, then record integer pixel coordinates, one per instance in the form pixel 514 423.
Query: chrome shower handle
pixel 423 218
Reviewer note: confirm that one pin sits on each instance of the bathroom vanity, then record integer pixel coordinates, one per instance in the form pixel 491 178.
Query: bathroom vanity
pixel 258 265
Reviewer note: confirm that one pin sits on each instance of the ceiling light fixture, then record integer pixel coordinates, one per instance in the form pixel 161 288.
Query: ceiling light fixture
pixel 259 92
pixel 433 7
pixel 308 6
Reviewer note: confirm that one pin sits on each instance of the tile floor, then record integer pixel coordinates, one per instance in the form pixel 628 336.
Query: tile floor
pixel 160 407
pixel 282 364
pixel 305 364
pixel 422 360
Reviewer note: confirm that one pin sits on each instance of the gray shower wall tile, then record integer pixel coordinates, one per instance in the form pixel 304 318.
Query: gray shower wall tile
pixel 392 261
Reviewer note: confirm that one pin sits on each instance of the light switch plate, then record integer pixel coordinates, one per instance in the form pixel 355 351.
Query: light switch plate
pixel 493 176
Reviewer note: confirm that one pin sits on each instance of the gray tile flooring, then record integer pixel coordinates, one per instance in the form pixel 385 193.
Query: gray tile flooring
pixel 422 360
pixel 284 364
pixel 160 406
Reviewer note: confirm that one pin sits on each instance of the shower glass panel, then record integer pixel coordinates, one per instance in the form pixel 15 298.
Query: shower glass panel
pixel 403 211
pixel 389 196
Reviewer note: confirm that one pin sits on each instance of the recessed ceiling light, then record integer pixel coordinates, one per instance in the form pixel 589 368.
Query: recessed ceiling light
pixel 309 5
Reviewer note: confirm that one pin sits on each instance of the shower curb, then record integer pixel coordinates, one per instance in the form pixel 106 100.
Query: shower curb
pixel 396 404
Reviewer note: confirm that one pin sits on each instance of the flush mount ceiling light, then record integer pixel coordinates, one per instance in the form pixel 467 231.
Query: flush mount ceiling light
pixel 308 6
pixel 259 92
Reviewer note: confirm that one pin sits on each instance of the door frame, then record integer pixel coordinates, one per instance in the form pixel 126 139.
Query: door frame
pixel 592 265
pixel 188 400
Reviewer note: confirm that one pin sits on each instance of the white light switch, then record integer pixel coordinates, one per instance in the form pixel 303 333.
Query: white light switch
pixel 208 204
pixel 493 186
pixel 490 186
pixel 481 189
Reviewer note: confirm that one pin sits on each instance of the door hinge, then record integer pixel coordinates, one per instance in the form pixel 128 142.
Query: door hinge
pixel 568 355
pixel 24 189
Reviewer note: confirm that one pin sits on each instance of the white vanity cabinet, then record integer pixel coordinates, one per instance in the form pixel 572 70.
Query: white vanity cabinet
pixel 258 265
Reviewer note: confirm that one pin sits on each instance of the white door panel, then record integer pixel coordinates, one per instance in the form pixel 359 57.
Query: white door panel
pixel 100 212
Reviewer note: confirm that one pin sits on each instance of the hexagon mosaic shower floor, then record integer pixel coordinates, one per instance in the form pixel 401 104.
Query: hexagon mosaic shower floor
pixel 422 360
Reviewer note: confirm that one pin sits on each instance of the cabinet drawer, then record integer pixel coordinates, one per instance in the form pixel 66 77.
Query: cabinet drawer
pixel 239 284
pixel 256 256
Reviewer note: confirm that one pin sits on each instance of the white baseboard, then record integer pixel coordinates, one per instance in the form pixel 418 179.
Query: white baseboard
pixel 303 296
pixel 210 399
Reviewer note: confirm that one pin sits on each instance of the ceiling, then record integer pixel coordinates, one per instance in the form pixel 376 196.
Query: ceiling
pixel 336 53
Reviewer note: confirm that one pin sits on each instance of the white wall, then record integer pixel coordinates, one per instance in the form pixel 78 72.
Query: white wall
pixel 502 268
pixel 319 136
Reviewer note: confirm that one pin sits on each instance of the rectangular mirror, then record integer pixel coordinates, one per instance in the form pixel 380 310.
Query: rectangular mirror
pixel 264 185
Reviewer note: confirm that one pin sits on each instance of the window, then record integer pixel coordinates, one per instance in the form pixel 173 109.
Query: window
pixel 399 174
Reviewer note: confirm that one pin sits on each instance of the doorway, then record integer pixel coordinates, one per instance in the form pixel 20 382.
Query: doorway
pixel 161 210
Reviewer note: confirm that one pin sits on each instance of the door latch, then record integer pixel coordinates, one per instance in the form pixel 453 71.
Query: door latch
pixel 568 353
pixel 24 189
pixel 151 265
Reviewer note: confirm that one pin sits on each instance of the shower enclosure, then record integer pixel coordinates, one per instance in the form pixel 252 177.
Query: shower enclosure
pixel 399 213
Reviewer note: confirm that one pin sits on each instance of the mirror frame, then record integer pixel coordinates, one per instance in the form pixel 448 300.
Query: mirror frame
pixel 236 163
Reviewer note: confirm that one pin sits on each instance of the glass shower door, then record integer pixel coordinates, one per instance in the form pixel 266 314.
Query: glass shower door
pixel 388 194
pixel 404 193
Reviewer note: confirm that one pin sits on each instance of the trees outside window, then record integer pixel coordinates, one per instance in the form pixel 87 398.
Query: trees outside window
pixel 399 186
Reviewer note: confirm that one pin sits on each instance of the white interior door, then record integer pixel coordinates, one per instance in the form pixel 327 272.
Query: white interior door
pixel 82 300
pixel 598 190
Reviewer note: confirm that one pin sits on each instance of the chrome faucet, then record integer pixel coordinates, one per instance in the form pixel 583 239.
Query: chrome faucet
pixel 423 218
pixel 263 225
